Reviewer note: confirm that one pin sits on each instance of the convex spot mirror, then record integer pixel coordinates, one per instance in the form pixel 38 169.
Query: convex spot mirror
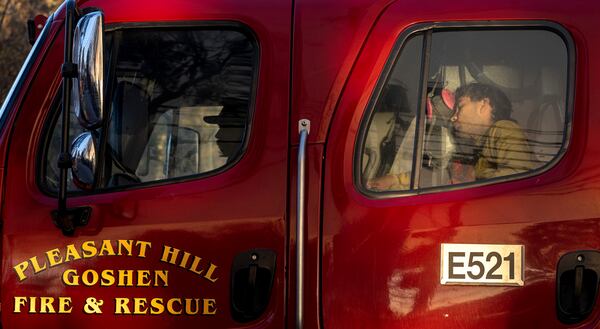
pixel 83 155
pixel 88 54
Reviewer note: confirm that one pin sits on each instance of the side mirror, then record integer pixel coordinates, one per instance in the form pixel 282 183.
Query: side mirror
pixel 83 154
pixel 88 53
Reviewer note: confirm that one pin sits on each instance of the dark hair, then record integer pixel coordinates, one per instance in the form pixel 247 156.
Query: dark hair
pixel 501 106
pixel 395 99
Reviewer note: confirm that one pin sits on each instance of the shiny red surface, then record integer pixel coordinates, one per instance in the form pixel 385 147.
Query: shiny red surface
pixel 381 258
pixel 215 218
pixel 370 263
pixel 328 35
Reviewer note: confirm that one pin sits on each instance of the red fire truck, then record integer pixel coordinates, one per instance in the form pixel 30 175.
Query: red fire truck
pixel 304 164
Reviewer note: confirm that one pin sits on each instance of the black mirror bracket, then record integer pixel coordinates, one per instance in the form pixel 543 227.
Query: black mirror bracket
pixel 69 70
pixel 64 161
pixel 68 220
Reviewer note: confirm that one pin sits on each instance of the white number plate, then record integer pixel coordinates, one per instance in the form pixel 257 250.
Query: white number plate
pixel 482 264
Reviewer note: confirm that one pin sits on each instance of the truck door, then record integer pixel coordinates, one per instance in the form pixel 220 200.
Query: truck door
pixel 188 215
pixel 431 220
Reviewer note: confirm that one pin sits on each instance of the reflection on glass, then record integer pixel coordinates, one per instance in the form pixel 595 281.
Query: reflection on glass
pixel 496 106
pixel 179 104
pixel 182 102
pixel 52 172
pixel 387 160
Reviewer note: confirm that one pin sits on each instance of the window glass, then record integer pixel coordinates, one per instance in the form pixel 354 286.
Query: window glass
pixel 51 171
pixel 179 105
pixel 496 107
pixel 391 135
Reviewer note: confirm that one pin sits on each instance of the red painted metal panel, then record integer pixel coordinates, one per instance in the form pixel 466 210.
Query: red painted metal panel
pixel 381 258
pixel 328 35
pixel 213 218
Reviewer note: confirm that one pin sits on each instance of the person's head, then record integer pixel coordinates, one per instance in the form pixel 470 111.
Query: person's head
pixel 231 122
pixel 477 107
pixel 394 99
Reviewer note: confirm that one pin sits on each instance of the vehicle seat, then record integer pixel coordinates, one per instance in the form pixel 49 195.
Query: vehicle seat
pixel 546 125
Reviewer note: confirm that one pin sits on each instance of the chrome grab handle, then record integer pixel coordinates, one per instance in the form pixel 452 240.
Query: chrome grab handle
pixel 303 130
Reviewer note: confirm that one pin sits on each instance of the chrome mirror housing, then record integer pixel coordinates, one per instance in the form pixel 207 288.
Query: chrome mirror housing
pixel 88 54
pixel 83 155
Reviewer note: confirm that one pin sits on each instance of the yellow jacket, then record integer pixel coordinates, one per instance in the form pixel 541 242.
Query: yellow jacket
pixel 503 151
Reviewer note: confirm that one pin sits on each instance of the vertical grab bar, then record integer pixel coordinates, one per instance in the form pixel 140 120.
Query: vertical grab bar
pixel 303 130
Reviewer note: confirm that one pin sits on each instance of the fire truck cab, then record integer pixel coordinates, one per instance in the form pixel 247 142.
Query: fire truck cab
pixel 306 164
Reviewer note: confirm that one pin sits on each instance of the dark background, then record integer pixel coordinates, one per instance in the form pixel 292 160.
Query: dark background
pixel 14 42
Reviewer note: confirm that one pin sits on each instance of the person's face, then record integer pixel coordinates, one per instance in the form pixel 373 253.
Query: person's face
pixel 472 118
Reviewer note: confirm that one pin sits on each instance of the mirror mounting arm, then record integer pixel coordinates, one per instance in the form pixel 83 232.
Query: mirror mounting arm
pixel 69 70
pixel 67 219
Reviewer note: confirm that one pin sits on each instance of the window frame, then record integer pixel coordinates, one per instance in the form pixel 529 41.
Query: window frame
pixel 427 30
pixel 110 51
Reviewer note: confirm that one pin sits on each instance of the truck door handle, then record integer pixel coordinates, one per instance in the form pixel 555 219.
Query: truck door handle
pixel 252 277
pixel 577 280
pixel 303 130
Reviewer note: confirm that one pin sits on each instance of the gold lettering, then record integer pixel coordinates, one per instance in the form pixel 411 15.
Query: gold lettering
pixel 210 272
pixel 174 306
pixel 184 260
pixel 163 275
pixel 19 301
pixel 141 276
pixel 125 275
pixel 108 278
pixel 139 306
pixel 210 307
pixel 85 277
pixel 20 269
pixel 169 255
pixel 71 253
pixel 89 249
pixel 46 305
pixel 54 257
pixel 194 267
pixel 188 306
pixel 143 245
pixel 125 244
pixel 106 247
pixel 121 306
pixel 32 305
pixel 156 306
pixel 36 265
pixel 64 305
pixel 123 278
pixel 170 308
pixel 70 277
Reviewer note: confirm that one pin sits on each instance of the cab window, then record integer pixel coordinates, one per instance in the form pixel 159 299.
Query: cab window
pixel 180 105
pixel 485 105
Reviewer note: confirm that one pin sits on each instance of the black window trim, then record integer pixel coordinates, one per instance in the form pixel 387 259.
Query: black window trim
pixel 420 126
pixel 428 28
pixel 116 27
